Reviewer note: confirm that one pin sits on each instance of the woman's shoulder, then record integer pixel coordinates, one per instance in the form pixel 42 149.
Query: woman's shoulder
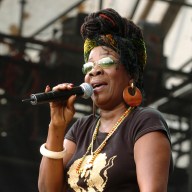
pixel 147 112
pixel 147 119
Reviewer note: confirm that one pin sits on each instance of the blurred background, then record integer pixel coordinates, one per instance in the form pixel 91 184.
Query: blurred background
pixel 40 44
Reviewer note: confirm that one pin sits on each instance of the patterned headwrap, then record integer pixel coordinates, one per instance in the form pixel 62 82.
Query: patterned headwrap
pixel 106 40
pixel 108 28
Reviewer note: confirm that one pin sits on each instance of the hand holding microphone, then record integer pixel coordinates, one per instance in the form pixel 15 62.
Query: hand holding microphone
pixel 85 90
pixel 61 114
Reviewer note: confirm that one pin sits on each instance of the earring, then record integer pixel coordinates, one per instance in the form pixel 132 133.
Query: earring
pixel 132 95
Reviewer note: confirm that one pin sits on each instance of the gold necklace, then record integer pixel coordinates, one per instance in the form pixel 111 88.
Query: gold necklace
pixel 89 163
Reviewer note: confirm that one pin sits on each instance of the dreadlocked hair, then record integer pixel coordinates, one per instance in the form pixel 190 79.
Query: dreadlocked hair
pixel 128 36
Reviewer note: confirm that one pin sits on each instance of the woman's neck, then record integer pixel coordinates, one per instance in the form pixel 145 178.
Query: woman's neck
pixel 110 117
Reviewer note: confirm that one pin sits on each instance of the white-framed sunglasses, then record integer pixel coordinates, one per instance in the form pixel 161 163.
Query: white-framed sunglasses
pixel 103 63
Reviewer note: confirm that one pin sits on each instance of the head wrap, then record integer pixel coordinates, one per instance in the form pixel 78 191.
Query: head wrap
pixel 106 40
pixel 107 28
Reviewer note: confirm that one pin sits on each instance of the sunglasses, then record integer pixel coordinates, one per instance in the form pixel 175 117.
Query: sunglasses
pixel 105 62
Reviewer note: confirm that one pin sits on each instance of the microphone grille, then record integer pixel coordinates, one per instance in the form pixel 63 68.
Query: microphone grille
pixel 87 89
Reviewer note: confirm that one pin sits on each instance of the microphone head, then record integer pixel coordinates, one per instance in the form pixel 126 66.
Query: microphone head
pixel 87 89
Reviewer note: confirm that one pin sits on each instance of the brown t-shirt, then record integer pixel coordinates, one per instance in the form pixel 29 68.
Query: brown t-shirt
pixel 114 168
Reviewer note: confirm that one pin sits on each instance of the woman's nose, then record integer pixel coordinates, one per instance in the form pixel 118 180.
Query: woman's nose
pixel 96 70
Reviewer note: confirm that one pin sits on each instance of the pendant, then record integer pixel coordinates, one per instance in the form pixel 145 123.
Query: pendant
pixel 88 166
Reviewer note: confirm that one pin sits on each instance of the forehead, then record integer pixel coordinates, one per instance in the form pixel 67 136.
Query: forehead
pixel 102 51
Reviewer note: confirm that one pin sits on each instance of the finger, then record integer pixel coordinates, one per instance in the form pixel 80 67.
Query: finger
pixel 47 88
pixel 71 101
pixel 63 86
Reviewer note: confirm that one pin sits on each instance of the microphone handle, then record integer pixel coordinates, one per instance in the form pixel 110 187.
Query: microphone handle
pixel 41 98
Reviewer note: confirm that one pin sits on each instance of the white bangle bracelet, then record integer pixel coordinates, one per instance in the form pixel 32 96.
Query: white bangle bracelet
pixel 51 154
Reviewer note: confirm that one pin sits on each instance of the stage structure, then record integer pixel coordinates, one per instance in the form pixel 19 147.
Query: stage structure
pixel 24 127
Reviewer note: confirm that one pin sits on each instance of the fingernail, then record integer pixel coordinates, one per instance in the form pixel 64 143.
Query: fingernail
pixel 71 84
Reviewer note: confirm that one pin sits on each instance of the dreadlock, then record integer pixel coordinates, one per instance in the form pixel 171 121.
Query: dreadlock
pixel 128 39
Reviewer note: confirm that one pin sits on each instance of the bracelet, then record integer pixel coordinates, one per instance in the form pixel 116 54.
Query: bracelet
pixel 51 154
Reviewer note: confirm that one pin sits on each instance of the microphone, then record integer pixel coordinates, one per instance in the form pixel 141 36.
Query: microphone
pixel 85 90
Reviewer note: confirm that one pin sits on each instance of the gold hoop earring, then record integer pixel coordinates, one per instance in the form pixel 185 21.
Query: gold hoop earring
pixel 132 95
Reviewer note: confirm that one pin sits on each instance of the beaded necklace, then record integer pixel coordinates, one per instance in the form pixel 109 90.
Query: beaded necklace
pixel 89 163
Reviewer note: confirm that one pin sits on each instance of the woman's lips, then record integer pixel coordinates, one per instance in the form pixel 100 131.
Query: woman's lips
pixel 99 86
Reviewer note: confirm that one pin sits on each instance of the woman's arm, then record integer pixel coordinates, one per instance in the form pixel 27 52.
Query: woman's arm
pixel 152 153
pixel 51 173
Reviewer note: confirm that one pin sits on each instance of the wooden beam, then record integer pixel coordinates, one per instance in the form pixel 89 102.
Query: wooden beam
pixel 170 16
pixel 146 10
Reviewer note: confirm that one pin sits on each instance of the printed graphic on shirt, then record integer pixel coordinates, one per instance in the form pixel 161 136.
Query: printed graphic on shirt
pixel 91 179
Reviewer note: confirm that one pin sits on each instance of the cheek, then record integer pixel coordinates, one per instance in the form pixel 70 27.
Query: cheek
pixel 121 80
